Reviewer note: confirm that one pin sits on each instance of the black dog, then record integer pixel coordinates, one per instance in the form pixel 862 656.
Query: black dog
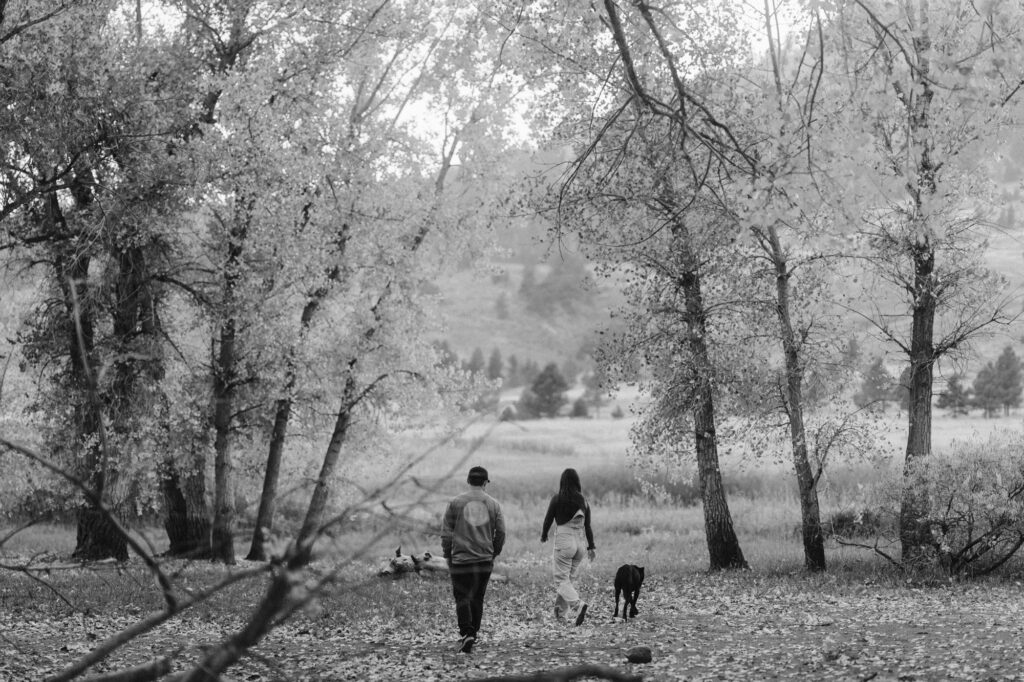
pixel 628 580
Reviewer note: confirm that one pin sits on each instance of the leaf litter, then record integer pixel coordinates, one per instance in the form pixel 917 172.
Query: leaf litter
pixel 733 626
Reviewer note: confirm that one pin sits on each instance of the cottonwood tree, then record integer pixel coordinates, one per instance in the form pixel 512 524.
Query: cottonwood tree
pixel 631 220
pixel 753 174
pixel 447 184
pixel 776 198
pixel 936 85
pixel 621 190
pixel 88 187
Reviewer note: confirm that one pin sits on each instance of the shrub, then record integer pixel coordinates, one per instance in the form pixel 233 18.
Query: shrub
pixel 973 498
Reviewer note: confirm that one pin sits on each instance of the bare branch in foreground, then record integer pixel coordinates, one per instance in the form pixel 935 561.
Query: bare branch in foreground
pixel 126 635
pixel 161 578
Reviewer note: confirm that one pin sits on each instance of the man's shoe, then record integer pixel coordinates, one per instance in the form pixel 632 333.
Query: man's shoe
pixel 467 644
pixel 581 614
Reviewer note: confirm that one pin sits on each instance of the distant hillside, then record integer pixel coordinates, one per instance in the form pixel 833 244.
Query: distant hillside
pixel 487 308
pixel 470 310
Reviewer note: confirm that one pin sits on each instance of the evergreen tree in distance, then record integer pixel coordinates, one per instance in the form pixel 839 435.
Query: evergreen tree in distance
pixel 495 366
pixel 876 386
pixel 986 390
pixel 476 362
pixel 545 396
pixel 1008 381
pixel 956 398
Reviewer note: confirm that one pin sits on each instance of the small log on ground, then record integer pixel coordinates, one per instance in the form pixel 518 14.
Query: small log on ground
pixel 575 672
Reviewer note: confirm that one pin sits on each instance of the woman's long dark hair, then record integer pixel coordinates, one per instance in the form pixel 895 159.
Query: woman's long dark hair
pixel 569 487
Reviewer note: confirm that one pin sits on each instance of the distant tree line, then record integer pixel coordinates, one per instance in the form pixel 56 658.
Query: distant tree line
pixel 543 389
pixel 997 387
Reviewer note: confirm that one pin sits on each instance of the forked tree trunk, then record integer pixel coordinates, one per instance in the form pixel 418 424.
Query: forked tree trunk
pixel 282 415
pixel 810 512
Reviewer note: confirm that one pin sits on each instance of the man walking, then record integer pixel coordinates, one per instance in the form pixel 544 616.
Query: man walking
pixel 472 535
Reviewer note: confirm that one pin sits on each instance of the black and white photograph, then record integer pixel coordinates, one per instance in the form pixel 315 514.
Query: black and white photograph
pixel 511 340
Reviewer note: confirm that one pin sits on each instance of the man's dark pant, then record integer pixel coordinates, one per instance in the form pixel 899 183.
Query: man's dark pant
pixel 469 584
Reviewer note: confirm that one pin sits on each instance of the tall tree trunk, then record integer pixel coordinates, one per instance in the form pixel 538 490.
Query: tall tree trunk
pixel 225 375
pixel 321 490
pixel 915 535
pixel 223 494
pixel 723 545
pixel 271 475
pixel 96 537
pixel 810 513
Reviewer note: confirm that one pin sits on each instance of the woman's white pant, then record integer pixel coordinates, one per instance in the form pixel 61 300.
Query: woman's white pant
pixel 570 548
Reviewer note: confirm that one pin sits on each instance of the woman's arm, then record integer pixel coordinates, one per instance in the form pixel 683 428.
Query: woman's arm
pixel 549 518
pixel 586 526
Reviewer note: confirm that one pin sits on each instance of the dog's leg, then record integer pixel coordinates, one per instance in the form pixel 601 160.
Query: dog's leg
pixel 633 611
pixel 617 591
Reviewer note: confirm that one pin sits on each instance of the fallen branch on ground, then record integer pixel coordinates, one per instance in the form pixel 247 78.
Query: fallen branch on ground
pixel 575 672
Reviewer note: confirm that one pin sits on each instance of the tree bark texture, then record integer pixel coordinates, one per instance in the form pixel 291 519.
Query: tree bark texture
pixel 723 545
pixel 271 475
pixel 321 491
pixel 97 538
pixel 223 406
pixel 915 536
pixel 810 513
pixel 187 515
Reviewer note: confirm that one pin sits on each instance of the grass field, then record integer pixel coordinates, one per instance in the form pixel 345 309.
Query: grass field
pixel 525 460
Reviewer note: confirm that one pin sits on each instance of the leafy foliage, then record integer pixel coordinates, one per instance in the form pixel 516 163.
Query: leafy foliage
pixel 975 496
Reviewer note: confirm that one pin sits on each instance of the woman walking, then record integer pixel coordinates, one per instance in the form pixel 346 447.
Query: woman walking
pixel 571 515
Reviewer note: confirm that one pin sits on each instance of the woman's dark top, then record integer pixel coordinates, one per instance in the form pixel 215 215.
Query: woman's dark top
pixel 562 509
